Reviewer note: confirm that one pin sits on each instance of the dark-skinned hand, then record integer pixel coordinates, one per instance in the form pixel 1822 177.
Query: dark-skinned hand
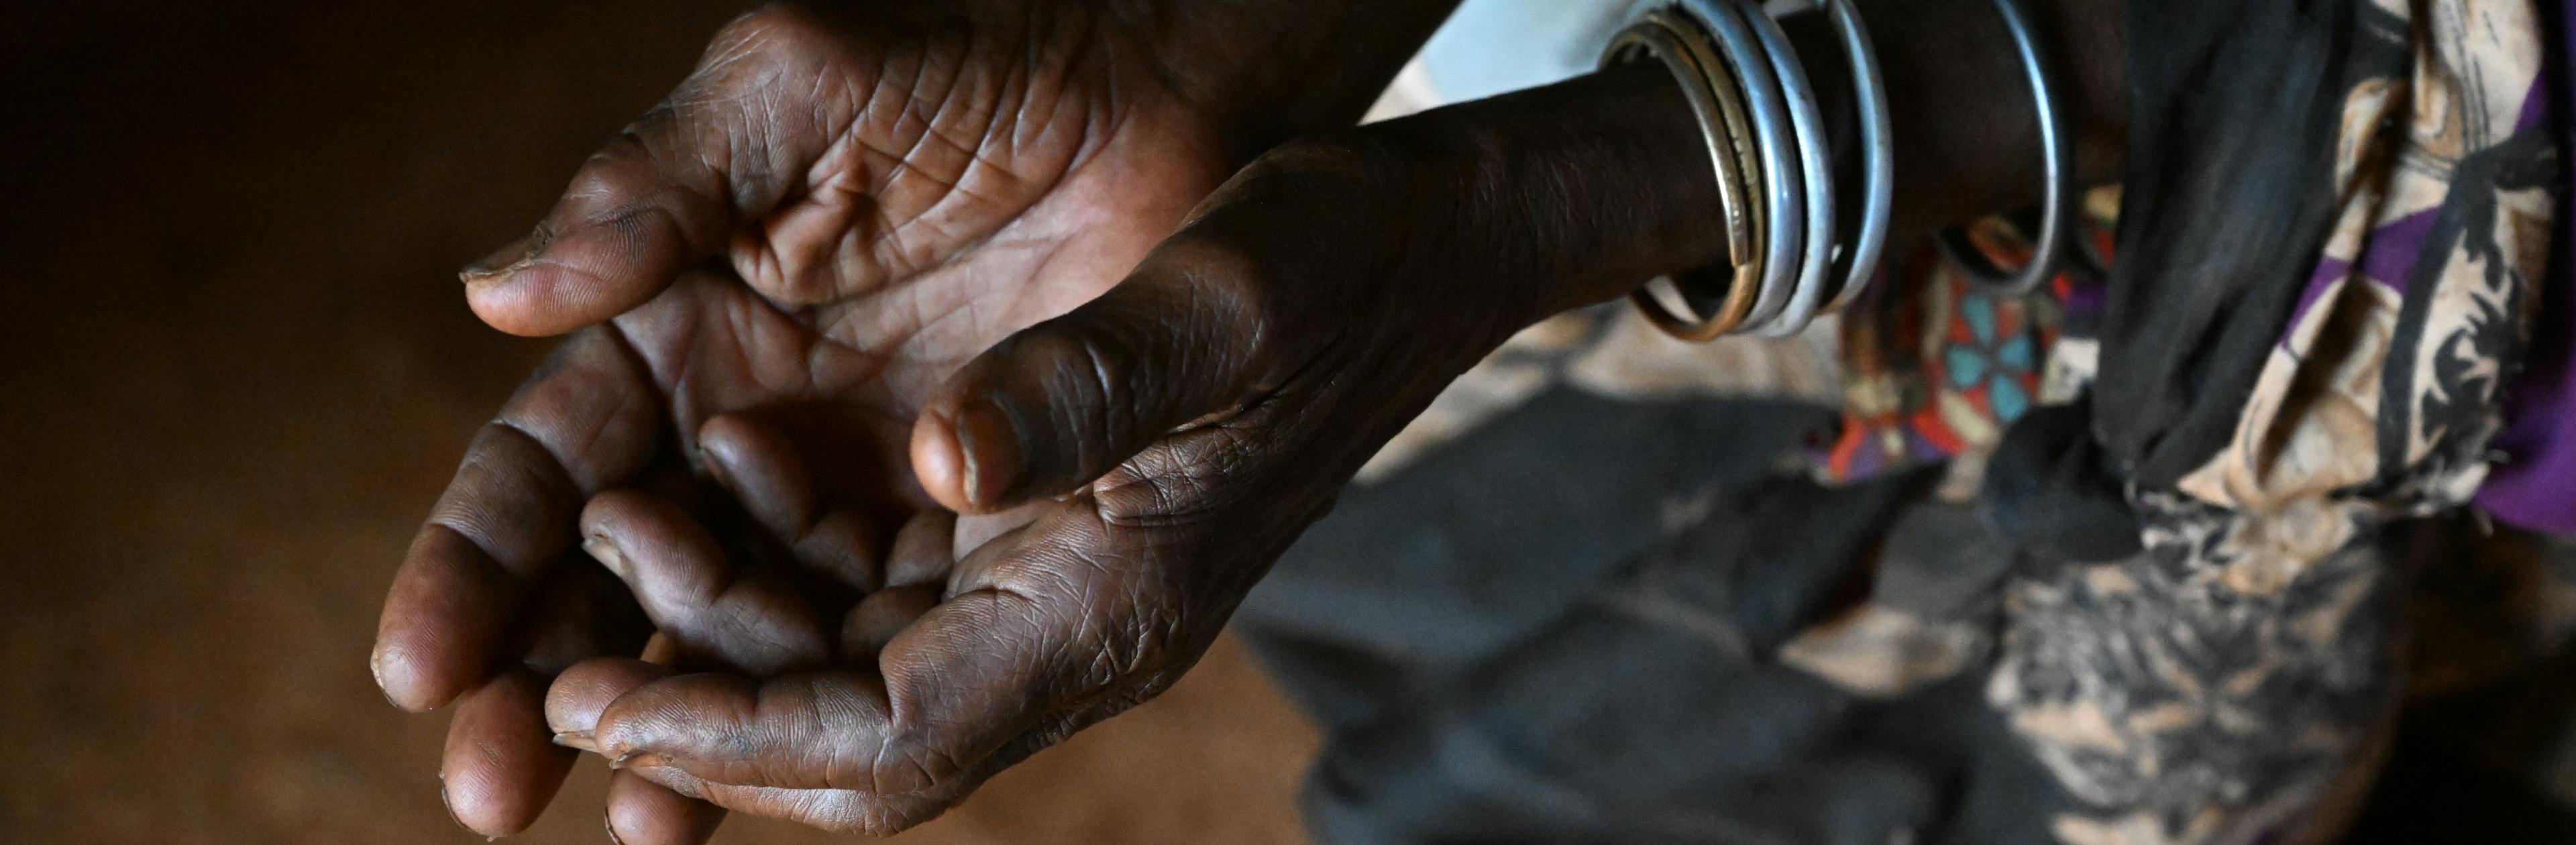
pixel 1218 397
pixel 843 204
pixel 1165 443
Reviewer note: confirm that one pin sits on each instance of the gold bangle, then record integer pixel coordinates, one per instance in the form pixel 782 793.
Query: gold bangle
pixel 1749 262
pixel 1715 101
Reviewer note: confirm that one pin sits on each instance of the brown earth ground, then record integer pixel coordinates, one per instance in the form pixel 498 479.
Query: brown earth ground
pixel 234 369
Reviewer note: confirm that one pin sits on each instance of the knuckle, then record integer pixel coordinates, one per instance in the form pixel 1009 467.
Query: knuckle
pixel 1185 479
pixel 611 174
pixel 1221 296
pixel 912 768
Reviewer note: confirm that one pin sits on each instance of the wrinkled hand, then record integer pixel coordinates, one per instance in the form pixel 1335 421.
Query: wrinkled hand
pixel 830 215
pixel 1203 413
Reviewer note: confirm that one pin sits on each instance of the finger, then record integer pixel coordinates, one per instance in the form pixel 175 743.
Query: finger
pixel 513 771
pixel 1055 627
pixel 499 771
pixel 922 552
pixel 772 479
pixel 855 811
pixel 917 569
pixel 641 812
pixel 672 189
pixel 879 617
pixel 1063 402
pixel 784 730
pixel 834 810
pixel 660 650
pixel 576 698
pixel 584 422
pixel 757 623
pixel 974 532
pixel 582 613
pixel 1083 612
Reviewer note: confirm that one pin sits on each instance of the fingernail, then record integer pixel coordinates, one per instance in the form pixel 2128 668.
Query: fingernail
pixel 576 740
pixel 376 667
pixel 639 760
pixel 451 808
pixel 609 822
pixel 715 469
pixel 497 267
pixel 604 551
pixel 661 650
pixel 988 450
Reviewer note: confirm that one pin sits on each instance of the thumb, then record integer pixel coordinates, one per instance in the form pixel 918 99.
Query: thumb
pixel 1066 401
pixel 662 197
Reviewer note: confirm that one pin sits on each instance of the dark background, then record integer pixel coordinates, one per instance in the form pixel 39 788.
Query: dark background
pixel 235 368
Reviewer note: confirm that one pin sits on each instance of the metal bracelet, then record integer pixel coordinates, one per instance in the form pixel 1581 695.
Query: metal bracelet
pixel 1816 177
pixel 2057 206
pixel 1775 139
pixel 1744 281
pixel 1721 127
pixel 1857 264
pixel 1792 255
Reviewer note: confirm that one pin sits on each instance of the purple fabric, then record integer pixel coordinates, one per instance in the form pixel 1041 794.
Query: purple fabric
pixel 2388 260
pixel 2396 248
pixel 2535 486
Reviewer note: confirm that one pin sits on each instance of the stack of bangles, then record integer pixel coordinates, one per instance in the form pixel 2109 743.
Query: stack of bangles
pixel 1789 256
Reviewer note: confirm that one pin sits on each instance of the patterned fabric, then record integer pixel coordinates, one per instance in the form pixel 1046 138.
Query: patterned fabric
pixel 2233 681
pixel 2212 688
pixel 1935 368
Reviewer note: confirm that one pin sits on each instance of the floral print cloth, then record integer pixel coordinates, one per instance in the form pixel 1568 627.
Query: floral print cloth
pixel 2277 413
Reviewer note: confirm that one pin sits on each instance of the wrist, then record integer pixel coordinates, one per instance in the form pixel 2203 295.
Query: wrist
pixel 1962 123
pixel 1595 184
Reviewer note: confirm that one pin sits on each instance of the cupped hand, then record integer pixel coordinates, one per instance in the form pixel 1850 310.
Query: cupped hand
pixel 835 210
pixel 1168 440
pixel 842 204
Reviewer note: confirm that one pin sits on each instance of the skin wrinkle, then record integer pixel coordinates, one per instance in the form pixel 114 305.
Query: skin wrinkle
pixel 638 371
pixel 694 374
pixel 977 165
pixel 1073 170
pixel 476 522
pixel 923 322
pixel 626 215
pixel 1089 611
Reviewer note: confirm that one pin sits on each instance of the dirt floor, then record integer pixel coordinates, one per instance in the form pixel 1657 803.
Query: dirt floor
pixel 235 367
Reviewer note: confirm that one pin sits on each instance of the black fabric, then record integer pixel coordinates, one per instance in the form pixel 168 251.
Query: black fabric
pixel 2235 108
pixel 1651 712
pixel 2048 489
pixel 1499 661
pixel 1415 578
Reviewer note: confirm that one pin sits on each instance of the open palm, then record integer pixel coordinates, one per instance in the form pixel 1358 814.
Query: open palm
pixel 827 219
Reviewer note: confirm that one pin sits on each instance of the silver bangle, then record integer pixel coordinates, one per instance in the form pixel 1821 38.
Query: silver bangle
pixel 1722 127
pixel 1816 176
pixel 1759 113
pixel 2056 211
pixel 1775 138
pixel 1857 265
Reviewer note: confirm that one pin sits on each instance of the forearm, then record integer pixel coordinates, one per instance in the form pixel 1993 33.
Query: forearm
pixel 1965 131
pixel 1634 196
